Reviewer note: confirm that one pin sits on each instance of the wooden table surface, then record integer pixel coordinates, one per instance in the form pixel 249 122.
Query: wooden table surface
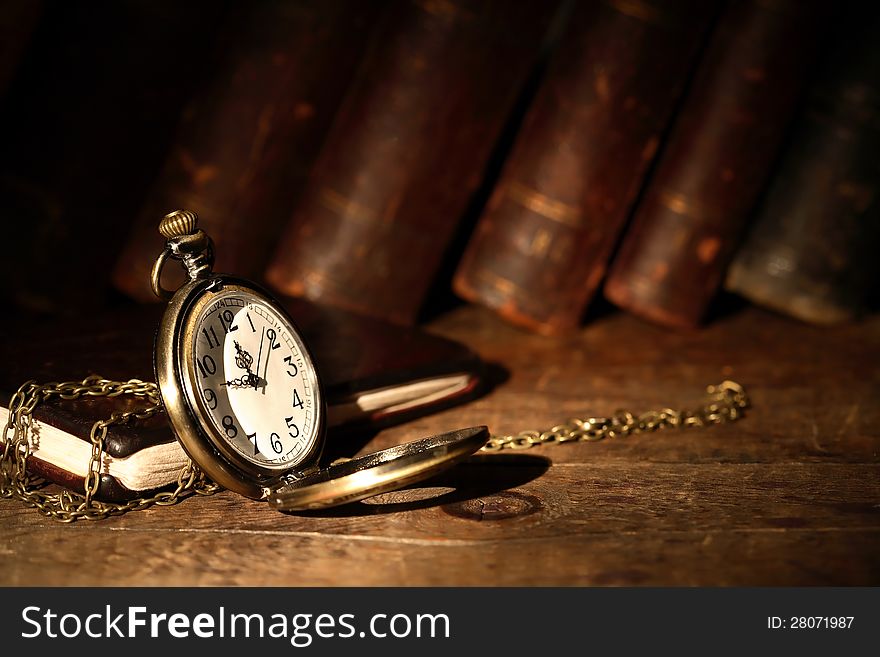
pixel 790 495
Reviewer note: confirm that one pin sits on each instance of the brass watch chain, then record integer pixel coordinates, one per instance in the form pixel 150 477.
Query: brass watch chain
pixel 69 506
pixel 724 403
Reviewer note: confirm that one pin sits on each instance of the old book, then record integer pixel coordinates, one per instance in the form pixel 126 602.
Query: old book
pixel 718 157
pixel 540 249
pixel 407 152
pixel 811 252
pixel 248 137
pixel 94 104
pixel 374 374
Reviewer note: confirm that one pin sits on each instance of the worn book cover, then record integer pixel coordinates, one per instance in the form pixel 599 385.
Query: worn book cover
pixel 541 247
pixel 248 137
pixel 406 154
pixel 717 159
pixel 811 252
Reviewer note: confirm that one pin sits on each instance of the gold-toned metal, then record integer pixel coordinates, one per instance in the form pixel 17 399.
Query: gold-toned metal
pixel 185 408
pixel 184 242
pixel 379 472
pixel 156 277
pixel 178 223
pixel 725 403
pixel 69 506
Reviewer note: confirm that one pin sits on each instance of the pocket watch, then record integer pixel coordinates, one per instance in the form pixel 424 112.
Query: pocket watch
pixel 244 397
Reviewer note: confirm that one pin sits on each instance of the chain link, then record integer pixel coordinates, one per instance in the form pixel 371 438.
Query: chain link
pixel 724 403
pixel 69 506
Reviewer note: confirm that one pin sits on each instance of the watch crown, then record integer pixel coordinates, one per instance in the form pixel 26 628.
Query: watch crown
pixel 177 223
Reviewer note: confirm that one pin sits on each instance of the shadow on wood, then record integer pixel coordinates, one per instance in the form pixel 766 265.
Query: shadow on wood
pixel 458 490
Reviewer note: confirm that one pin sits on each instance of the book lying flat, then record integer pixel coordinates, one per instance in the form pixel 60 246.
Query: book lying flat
pixel 374 374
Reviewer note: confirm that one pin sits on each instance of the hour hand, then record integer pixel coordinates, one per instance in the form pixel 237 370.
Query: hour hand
pixel 249 380
pixel 242 358
pixel 244 361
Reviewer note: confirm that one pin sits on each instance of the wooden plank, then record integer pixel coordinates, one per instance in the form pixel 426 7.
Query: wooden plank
pixel 814 390
pixel 748 557
pixel 788 496
pixel 527 508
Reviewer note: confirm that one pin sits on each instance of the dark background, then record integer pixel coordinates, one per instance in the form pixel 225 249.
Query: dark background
pixel 99 99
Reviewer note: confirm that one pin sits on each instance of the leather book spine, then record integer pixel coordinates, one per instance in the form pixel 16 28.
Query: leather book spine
pixel 247 139
pixel 812 250
pixel 83 130
pixel 541 247
pixel 717 160
pixel 406 154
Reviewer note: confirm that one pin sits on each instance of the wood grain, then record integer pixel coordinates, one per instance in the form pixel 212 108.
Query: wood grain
pixel 788 496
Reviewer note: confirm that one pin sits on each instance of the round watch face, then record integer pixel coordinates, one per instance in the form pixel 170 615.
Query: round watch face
pixel 253 380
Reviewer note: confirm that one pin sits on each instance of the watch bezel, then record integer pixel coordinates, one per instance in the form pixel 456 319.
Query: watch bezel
pixel 199 438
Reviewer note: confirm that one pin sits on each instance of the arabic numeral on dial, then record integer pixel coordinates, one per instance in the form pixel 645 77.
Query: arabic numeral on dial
pixel 206 366
pixel 211 337
pixel 275 441
pixel 253 437
pixel 210 398
pixel 291 425
pixel 297 401
pixel 229 426
pixel 272 335
pixel 226 321
pixel 291 364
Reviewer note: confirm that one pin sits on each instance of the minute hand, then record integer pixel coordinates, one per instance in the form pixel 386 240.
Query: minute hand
pixel 259 357
pixel 271 335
